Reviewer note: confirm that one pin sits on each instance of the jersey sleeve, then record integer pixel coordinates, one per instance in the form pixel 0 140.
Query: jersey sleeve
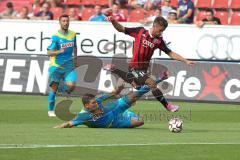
pixel 53 44
pixel 103 97
pixel 80 119
pixel 132 31
pixel 164 47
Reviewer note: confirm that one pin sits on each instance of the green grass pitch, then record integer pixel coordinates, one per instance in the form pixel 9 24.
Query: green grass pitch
pixel 211 131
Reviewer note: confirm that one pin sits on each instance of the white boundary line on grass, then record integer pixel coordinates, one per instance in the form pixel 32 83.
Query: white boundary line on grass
pixel 30 146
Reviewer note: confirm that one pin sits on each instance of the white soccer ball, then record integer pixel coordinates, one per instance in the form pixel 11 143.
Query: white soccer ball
pixel 175 125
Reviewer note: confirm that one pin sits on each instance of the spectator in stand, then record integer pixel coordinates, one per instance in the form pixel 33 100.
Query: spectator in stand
pixel 73 15
pixel 137 3
pixel 98 16
pixel 145 4
pixel 121 3
pixel 185 11
pixel 54 3
pixel 149 20
pixel 45 13
pixel 9 12
pixel 210 19
pixel 172 17
pixel 114 12
pixel 166 8
pixel 24 13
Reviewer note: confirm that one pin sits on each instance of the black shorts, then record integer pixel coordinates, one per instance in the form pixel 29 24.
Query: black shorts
pixel 137 76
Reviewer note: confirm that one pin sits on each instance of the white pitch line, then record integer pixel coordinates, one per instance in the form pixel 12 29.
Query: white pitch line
pixel 30 146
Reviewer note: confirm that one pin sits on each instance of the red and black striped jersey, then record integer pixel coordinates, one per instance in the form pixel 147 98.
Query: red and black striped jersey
pixel 144 46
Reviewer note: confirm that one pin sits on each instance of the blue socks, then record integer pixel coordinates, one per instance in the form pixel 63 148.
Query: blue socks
pixel 144 89
pixel 51 100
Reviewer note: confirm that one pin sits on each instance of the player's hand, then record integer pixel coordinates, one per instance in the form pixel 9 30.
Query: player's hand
pixel 61 51
pixel 110 19
pixel 190 63
pixel 58 126
pixel 200 24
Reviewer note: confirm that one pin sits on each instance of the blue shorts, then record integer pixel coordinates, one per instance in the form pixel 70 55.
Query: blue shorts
pixel 123 120
pixel 122 116
pixel 56 74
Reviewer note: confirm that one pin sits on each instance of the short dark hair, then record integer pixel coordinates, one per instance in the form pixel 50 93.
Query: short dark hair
pixel 9 5
pixel 209 10
pixel 87 98
pixel 63 15
pixel 160 21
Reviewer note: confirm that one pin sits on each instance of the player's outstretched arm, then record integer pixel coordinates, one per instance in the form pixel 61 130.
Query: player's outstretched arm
pixel 116 24
pixel 176 56
pixel 55 52
pixel 65 125
pixel 114 93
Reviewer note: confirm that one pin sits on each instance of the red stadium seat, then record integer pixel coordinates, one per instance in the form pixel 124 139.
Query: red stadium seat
pixel 36 10
pixel 72 2
pixel 67 10
pixel 223 16
pixel 124 12
pixel 2 7
pixel 220 4
pixel 102 2
pixel 88 2
pixel 235 18
pixel 203 4
pixel 19 4
pixel 136 15
pixel 57 12
pixel 87 13
pixel 150 13
pixel 174 3
pixel 235 4
pixel 200 15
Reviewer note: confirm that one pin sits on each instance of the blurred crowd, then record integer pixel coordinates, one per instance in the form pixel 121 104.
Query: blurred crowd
pixel 143 11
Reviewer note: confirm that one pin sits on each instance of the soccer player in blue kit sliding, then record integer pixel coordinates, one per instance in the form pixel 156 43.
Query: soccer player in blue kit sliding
pixel 63 59
pixel 97 113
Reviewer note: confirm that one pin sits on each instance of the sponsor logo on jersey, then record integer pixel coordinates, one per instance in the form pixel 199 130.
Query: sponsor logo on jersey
pixel 66 45
pixel 146 43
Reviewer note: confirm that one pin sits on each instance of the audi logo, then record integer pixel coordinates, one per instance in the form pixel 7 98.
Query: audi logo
pixel 219 47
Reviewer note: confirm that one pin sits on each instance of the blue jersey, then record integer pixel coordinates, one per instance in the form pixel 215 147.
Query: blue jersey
pixel 66 42
pixel 99 18
pixel 108 117
pixel 184 7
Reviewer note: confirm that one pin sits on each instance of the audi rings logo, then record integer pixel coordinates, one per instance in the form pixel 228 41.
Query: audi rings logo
pixel 219 47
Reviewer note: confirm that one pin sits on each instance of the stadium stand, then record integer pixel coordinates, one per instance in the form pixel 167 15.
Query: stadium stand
pixel 57 11
pixel 220 4
pixel 235 18
pixel 136 15
pixel 87 13
pixel 235 4
pixel 203 4
pixel 223 16
pixel 227 10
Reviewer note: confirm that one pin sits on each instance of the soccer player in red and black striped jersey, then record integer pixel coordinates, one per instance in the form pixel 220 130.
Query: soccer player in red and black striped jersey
pixel 146 41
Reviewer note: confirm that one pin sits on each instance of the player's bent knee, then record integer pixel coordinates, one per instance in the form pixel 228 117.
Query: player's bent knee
pixel 152 84
pixel 131 97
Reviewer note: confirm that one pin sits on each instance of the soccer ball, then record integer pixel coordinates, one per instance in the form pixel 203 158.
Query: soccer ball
pixel 175 125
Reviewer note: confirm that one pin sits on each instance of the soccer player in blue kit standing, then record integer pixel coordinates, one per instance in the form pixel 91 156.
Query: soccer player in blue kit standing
pixel 63 58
